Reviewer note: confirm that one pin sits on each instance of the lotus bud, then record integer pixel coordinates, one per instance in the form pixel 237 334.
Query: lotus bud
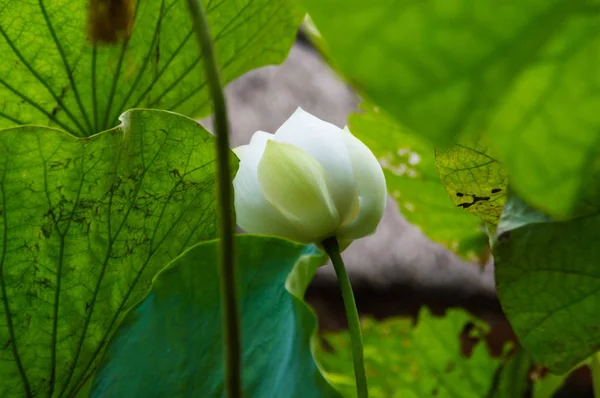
pixel 309 181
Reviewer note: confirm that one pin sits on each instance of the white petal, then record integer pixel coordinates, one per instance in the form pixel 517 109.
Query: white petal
pixel 324 142
pixel 294 182
pixel 372 193
pixel 253 212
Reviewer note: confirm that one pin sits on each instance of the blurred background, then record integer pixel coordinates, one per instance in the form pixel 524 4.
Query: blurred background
pixel 397 271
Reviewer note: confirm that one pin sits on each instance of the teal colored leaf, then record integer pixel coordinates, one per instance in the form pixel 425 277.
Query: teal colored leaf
pixel 416 361
pixel 78 65
pixel 412 179
pixel 170 344
pixel 548 283
pixel 451 68
pixel 84 226
pixel 517 213
pixel 474 179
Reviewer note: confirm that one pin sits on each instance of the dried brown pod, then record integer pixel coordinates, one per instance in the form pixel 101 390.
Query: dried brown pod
pixel 110 21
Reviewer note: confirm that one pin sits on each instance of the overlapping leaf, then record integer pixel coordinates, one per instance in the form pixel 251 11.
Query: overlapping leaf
pixel 84 226
pixel 78 65
pixel 548 283
pixel 451 68
pixel 170 344
pixel 474 179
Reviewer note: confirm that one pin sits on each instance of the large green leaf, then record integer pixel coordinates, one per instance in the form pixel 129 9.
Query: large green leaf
pixel 474 179
pixel 84 226
pixel 170 344
pixel 54 72
pixel 549 283
pixel 409 361
pixel 412 179
pixel 450 68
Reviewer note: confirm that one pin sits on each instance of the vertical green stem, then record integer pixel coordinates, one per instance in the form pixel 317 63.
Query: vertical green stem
pixel 229 287
pixel 333 250
pixel 595 370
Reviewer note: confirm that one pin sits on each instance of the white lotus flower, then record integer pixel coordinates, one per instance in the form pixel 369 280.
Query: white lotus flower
pixel 309 181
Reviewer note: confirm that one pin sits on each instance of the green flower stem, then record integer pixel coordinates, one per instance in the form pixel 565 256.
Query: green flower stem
pixel 333 250
pixel 229 287
pixel 595 370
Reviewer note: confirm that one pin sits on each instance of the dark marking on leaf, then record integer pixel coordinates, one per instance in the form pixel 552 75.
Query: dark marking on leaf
pixel 110 21
pixel 58 106
pixel 496 190
pixel 475 200
pixel 55 111
pixel 45 283
pixel 46 231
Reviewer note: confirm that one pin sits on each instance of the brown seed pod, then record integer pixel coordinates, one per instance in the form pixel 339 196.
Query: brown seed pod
pixel 110 21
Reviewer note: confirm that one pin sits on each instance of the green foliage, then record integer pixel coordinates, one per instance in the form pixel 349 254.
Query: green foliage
pixel 474 179
pixel 84 226
pixel 548 283
pixel 548 385
pixel 169 345
pixel 407 360
pixel 78 65
pixel 522 103
pixel 412 179
pixel 511 378
pixel 447 69
pixel 403 360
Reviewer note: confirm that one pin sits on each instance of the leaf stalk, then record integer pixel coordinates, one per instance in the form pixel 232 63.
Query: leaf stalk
pixel 228 278
pixel 332 249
